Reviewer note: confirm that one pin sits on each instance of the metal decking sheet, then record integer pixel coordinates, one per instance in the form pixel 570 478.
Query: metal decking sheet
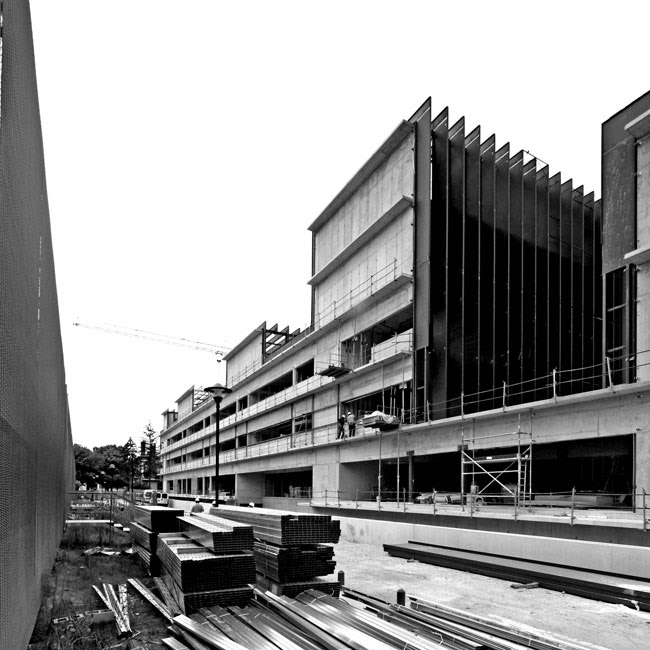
pixel 218 534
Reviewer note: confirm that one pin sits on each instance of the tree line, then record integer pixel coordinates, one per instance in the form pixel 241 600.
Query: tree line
pixel 114 467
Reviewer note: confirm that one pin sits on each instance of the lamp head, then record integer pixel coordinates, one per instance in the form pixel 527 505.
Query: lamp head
pixel 218 391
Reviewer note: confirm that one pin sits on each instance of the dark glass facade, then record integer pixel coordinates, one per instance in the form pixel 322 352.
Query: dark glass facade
pixel 514 280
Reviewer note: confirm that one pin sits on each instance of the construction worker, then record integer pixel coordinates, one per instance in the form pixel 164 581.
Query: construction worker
pixel 197 507
pixel 341 426
pixel 352 424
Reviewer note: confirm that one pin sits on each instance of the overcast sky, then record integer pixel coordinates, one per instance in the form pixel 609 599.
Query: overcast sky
pixel 189 145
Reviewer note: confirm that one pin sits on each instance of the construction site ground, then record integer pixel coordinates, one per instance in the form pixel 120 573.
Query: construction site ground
pixel 367 569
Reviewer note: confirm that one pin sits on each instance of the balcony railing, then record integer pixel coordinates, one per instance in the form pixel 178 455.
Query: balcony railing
pixel 283 444
pixel 335 365
pixel 365 289
pixel 336 309
pixel 557 385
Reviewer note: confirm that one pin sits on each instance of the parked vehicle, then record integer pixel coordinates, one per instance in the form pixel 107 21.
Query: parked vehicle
pixel 162 500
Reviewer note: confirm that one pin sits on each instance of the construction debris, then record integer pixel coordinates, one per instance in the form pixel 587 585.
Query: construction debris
pixel 149 596
pixel 92 616
pixel 118 605
pixel 171 604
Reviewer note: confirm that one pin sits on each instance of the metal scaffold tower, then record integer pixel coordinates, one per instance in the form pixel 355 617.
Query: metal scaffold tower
pixel 497 478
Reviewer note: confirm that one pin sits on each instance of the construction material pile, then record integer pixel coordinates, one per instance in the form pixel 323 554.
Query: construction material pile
pixel 282 527
pixel 149 522
pixel 216 533
pixel 210 563
pixel 291 551
pixel 293 563
pixel 315 621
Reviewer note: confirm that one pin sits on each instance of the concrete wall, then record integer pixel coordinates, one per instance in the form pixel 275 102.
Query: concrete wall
pixel 388 183
pixel 392 244
pixel 325 477
pixel 357 476
pixel 249 487
pixel 633 561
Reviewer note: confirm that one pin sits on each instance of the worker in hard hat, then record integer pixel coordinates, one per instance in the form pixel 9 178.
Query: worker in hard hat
pixel 352 424
pixel 197 507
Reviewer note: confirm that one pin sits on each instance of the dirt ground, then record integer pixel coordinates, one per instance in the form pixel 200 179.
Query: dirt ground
pixel 69 591
pixel 367 569
pixel 588 622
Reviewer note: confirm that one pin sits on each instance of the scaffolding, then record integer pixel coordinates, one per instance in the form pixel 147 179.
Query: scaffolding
pixel 510 471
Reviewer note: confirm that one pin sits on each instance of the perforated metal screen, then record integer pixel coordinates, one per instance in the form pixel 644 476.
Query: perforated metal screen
pixel 36 457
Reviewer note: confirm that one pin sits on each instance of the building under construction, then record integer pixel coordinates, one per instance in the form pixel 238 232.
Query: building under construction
pixel 482 320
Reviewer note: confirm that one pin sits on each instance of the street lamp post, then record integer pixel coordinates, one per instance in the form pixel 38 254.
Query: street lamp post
pixel 111 468
pixel 131 447
pixel 218 392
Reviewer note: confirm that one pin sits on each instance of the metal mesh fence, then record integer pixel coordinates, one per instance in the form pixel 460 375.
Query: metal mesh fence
pixel 36 456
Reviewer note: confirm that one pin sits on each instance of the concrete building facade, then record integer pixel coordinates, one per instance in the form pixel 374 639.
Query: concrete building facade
pixel 467 307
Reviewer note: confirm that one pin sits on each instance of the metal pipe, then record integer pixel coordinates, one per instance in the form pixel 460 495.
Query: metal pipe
pixel 398 465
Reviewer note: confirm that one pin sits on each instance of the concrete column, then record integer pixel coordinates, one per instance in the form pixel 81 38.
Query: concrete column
pixel 642 468
pixel 640 129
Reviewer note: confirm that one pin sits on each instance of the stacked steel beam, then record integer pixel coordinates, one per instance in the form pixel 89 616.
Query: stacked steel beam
pixel 158 519
pixel 282 527
pixel 148 522
pixel 195 568
pixel 210 563
pixel 293 563
pixel 597 585
pixel 291 551
pixel 218 534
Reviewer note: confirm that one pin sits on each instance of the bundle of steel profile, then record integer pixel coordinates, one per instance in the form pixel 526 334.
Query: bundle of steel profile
pixel 158 519
pixel 235 628
pixel 143 536
pixel 527 637
pixel 396 633
pixel 587 584
pixel 218 534
pixel 293 563
pixel 282 527
pixel 149 559
pixel 456 627
pixel 292 589
pixel 328 626
pixel 207 635
pixel 192 601
pixel 194 568
pixel 274 627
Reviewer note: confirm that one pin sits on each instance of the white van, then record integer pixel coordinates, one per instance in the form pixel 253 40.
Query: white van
pixel 163 498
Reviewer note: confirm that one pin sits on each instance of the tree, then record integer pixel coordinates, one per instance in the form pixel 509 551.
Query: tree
pixel 131 455
pixel 150 454
pixel 88 465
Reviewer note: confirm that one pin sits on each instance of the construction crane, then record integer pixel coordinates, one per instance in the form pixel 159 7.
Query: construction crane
pixel 180 342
